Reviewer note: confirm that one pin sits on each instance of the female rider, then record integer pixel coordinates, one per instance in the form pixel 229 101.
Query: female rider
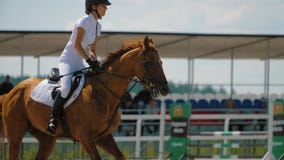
pixel 81 46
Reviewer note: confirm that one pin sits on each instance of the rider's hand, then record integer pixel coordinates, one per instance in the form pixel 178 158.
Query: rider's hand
pixel 95 65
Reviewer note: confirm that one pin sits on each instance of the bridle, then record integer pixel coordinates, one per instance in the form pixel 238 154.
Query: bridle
pixel 145 80
pixel 148 78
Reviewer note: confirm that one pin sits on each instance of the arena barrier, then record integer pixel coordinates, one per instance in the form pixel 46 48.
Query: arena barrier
pixel 162 138
pixel 233 133
pixel 225 146
pixel 177 110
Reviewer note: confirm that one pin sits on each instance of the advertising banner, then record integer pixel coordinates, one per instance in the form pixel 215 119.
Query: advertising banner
pixel 180 113
pixel 278 128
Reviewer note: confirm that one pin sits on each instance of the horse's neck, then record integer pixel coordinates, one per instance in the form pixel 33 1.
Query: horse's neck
pixel 119 72
pixel 117 80
pixel 122 71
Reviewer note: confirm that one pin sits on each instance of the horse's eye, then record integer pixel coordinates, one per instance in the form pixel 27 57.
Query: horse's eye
pixel 150 63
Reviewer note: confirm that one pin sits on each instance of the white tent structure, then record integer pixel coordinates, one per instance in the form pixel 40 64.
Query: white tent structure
pixel 169 45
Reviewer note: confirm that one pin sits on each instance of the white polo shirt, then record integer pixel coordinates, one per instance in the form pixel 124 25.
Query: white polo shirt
pixel 92 29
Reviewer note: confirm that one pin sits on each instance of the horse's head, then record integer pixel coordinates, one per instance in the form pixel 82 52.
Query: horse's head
pixel 153 75
pixel 140 59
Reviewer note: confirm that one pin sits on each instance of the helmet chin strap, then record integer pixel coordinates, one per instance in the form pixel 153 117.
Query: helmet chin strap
pixel 96 11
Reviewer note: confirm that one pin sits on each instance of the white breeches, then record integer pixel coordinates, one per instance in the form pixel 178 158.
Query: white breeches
pixel 66 81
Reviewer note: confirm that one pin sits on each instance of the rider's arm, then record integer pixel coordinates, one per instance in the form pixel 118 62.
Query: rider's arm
pixel 78 41
pixel 92 49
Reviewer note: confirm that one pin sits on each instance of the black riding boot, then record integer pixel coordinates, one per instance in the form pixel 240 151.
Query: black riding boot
pixel 57 107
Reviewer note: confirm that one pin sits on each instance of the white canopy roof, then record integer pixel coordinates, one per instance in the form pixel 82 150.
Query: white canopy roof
pixel 169 45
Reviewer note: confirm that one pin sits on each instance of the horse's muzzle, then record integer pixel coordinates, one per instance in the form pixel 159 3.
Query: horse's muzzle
pixel 161 88
pixel 164 88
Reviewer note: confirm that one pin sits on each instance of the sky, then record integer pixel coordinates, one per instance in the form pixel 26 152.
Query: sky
pixel 175 16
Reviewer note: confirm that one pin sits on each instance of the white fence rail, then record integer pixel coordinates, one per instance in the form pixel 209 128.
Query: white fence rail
pixel 161 138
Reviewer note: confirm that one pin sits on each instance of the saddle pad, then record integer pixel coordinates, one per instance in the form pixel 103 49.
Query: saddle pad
pixel 42 93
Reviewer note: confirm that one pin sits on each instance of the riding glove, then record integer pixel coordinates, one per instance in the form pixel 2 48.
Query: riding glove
pixel 95 65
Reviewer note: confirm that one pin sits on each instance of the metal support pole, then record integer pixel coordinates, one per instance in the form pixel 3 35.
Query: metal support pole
pixel 269 104
pixel 232 74
pixel 38 66
pixel 190 74
pixel 22 54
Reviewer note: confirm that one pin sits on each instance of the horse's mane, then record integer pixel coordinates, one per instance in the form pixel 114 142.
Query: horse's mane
pixel 126 47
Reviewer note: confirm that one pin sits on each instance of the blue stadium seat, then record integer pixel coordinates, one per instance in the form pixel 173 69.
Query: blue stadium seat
pixel 214 103
pixel 203 103
pixel 238 103
pixel 193 103
pixel 180 101
pixel 247 104
pixel 215 106
pixel 168 103
pixel 223 103
pixel 257 103
pixel 159 102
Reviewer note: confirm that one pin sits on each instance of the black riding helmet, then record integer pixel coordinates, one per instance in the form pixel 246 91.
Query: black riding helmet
pixel 89 3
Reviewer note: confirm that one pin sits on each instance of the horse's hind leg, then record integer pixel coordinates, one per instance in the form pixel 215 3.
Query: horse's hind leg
pixel 90 147
pixel 108 144
pixel 46 144
pixel 15 132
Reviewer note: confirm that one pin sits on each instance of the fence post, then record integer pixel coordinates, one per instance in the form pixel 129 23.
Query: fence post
pixel 226 128
pixel 162 131
pixel 138 138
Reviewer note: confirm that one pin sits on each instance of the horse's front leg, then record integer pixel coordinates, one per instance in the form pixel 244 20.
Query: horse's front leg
pixel 108 144
pixel 90 147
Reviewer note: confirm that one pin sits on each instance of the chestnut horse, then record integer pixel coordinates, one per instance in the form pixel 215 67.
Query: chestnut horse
pixel 93 116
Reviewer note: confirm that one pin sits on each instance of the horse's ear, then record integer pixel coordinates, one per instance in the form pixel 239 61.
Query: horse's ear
pixel 151 41
pixel 146 42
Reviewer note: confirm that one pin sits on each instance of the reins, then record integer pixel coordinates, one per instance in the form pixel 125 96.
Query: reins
pixel 136 81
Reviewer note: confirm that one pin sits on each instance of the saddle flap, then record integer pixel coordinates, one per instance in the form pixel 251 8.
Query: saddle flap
pixel 44 90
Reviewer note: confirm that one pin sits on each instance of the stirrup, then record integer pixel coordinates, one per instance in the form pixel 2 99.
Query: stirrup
pixel 52 126
pixel 51 129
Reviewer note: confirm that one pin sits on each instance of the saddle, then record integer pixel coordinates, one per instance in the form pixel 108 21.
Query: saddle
pixel 55 78
pixel 46 91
